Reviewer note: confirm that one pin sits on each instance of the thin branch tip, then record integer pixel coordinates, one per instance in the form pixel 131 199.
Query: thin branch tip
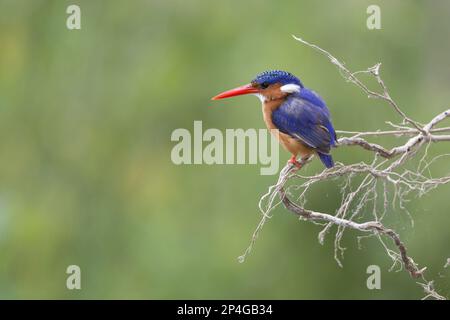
pixel 381 186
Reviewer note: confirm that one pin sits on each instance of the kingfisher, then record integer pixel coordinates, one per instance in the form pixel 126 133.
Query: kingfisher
pixel 299 114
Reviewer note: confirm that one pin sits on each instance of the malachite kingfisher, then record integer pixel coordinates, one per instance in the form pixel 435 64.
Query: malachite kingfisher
pixel 300 115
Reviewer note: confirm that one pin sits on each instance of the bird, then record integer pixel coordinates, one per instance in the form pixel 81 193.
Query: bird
pixel 299 114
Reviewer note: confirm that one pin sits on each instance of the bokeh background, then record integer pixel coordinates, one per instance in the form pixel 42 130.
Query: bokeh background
pixel 85 123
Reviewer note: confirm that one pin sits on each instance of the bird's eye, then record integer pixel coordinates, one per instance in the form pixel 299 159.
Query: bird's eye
pixel 264 85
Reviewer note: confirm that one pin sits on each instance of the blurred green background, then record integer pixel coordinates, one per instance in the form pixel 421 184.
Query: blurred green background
pixel 85 123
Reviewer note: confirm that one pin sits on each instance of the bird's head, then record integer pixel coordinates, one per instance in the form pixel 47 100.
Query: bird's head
pixel 268 85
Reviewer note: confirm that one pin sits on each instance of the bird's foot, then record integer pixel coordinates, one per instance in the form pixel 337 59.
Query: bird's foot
pixel 293 160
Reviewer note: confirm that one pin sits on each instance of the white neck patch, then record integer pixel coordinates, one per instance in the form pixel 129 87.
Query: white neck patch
pixel 260 97
pixel 290 88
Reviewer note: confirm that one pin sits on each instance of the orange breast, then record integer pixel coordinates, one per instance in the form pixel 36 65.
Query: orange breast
pixel 292 145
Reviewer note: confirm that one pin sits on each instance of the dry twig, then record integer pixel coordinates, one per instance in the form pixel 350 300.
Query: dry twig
pixel 387 170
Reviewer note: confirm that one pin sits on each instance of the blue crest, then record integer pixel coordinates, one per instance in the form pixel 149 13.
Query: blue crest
pixel 277 76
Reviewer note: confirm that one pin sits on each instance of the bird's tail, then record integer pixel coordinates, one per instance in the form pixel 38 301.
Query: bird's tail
pixel 326 159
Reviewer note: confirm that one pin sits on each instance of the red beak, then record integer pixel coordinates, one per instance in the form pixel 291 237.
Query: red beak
pixel 247 89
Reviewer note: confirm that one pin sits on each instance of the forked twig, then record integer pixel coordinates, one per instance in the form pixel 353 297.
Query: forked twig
pixel 387 170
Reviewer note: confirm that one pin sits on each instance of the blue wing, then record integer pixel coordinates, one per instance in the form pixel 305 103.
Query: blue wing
pixel 305 116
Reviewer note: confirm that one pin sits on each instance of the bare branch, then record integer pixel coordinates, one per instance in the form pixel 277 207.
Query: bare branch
pixel 398 133
pixel 351 77
pixel 447 264
pixel 368 189
pixel 421 136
